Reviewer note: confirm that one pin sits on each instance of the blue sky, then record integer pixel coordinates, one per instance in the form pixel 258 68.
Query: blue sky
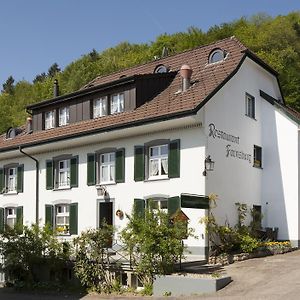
pixel 36 33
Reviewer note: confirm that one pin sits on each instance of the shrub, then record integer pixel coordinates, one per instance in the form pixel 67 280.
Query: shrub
pixel 25 254
pixel 248 243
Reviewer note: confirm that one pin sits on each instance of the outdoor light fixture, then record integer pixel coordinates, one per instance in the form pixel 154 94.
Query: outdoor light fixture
pixel 208 165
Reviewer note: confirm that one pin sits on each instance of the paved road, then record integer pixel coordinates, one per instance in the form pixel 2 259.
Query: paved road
pixel 272 277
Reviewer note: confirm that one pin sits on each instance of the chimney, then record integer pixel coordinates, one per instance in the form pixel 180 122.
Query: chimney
pixel 29 124
pixel 56 88
pixel 186 74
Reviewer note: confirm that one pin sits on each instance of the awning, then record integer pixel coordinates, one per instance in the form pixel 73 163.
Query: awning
pixel 194 201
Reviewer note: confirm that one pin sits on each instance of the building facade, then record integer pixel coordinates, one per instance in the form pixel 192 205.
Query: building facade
pixel 145 133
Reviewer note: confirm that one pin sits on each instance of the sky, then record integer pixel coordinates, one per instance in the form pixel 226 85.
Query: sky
pixel 34 34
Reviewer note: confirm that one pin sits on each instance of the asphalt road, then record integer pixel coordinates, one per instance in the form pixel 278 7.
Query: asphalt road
pixel 272 277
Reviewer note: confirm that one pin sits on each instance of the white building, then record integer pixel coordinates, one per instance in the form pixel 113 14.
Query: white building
pixel 145 133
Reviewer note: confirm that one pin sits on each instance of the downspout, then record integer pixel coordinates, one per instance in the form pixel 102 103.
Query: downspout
pixel 37 185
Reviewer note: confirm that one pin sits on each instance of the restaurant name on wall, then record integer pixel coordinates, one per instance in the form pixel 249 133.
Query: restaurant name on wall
pixel 229 150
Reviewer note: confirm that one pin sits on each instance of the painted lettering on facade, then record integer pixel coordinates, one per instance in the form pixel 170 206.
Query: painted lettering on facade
pixel 216 133
pixel 238 154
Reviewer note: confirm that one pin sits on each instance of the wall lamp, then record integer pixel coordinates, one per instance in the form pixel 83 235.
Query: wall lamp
pixel 209 165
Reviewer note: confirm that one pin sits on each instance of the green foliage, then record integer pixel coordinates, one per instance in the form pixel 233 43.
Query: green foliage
pixel 248 243
pixel 92 259
pixel 259 33
pixel 154 243
pixel 26 254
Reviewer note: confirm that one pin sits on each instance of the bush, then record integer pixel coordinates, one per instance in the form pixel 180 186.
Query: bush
pixel 92 259
pixel 249 244
pixel 27 255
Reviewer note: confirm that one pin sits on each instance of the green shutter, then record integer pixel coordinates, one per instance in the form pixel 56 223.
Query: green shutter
pixel 173 205
pixel 74 171
pixel 19 224
pixel 73 218
pixel 139 207
pixel 174 159
pixel 2 181
pixel 2 220
pixel 20 178
pixel 49 215
pixel 91 169
pixel 49 175
pixel 120 165
pixel 139 163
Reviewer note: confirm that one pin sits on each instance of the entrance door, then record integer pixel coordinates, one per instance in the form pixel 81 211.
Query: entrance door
pixel 105 213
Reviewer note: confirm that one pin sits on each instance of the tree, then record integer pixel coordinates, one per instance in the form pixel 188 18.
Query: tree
pixel 8 86
pixel 53 70
pixel 40 77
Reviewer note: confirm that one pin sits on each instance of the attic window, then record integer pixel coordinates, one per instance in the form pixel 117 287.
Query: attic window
pixel 216 55
pixel 11 133
pixel 161 69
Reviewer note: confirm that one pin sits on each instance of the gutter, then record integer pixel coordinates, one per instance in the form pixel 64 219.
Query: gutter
pixel 36 186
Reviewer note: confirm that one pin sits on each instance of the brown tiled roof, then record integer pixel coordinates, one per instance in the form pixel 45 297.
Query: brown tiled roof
pixel 206 78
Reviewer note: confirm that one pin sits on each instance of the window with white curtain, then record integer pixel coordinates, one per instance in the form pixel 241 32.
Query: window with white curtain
pixel 117 103
pixel 64 116
pixel 11 216
pixel 64 173
pixel 107 167
pixel 100 107
pixel 158 161
pixel 49 119
pixel 62 218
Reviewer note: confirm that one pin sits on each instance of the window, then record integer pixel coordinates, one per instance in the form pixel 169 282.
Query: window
pixel 100 107
pixel 161 69
pixel 257 155
pixel 11 216
pixel 117 103
pixel 64 173
pixel 216 55
pixel 158 161
pixel 11 178
pixel 63 116
pixel 49 119
pixel 158 203
pixel 62 218
pixel 107 167
pixel 250 106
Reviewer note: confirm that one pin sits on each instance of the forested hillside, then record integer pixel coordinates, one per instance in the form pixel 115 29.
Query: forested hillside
pixel 275 40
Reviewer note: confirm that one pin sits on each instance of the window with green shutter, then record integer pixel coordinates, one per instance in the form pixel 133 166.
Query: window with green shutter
pixel 91 169
pixel 20 178
pixel 139 163
pixel 120 165
pixel 49 175
pixel 174 159
pixel 74 171
pixel 19 223
pixel 49 215
pixel 173 205
pixel 73 229
pixel 139 207
pixel 2 219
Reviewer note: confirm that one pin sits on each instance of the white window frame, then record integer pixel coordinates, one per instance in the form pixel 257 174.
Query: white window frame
pixel 11 216
pixel 250 106
pixel 107 161
pixel 162 203
pixel 63 178
pixel 49 119
pixel 64 226
pixel 100 107
pixel 162 171
pixel 63 116
pixel 117 103
pixel 11 179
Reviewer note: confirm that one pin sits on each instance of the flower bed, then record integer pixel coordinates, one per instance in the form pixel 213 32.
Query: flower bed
pixel 264 249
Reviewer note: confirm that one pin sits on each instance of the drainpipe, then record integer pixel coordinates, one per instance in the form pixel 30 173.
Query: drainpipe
pixel 37 185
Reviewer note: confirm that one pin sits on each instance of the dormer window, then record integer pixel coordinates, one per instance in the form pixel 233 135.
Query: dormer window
pixel 64 116
pixel 117 103
pixel 49 119
pixel 100 107
pixel 161 69
pixel 216 55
